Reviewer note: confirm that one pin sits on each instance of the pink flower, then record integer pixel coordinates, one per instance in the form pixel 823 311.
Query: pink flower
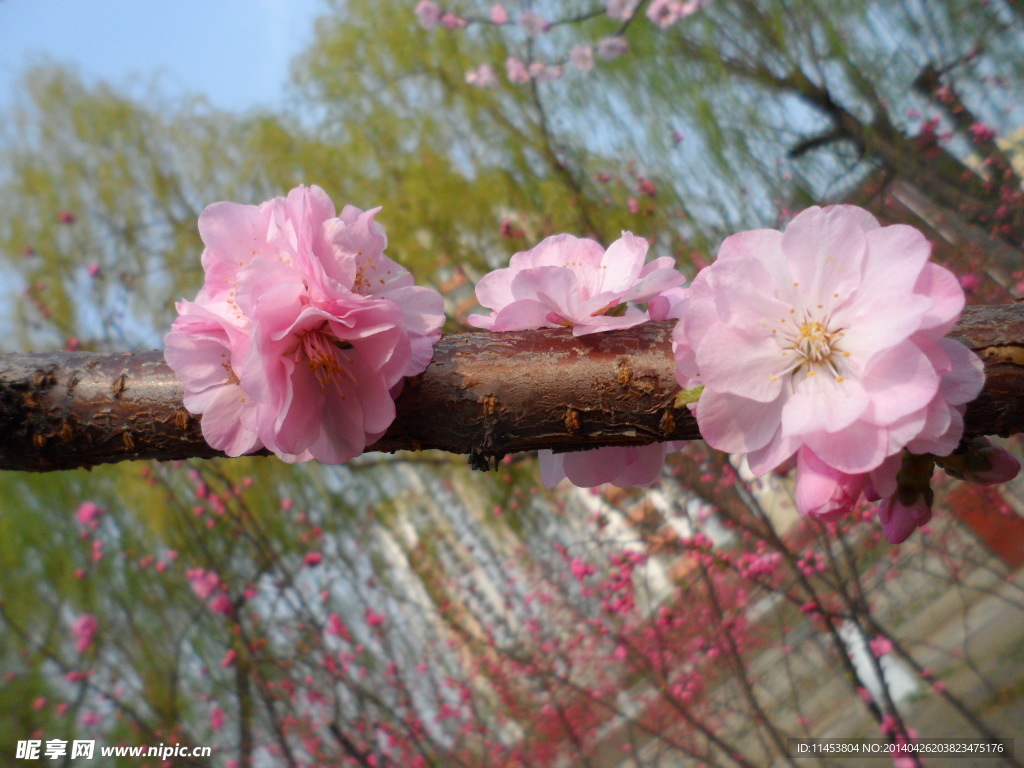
pixel 88 512
pixel 303 330
pixel 429 14
pixel 828 336
pixel 221 603
pixel 621 10
pixel 880 646
pixel 665 13
pixel 582 57
pixel 533 23
pixel 544 73
pixel 216 719
pixel 203 582
pixel 574 282
pixel 374 619
pixel 452 21
pixel 517 71
pixel 498 14
pixel 84 630
pixel 610 48
pixel 67 217
pixel 482 77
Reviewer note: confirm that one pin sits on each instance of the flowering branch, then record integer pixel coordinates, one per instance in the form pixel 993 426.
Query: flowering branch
pixel 484 394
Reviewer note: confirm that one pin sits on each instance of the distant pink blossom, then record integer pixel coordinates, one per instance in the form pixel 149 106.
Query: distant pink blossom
pixel 374 619
pixel 67 217
pixel 665 13
pixel 544 73
pixel 482 77
pixel 221 603
pixel 453 21
pixel 303 330
pixel 610 48
pixel 621 10
pixel 828 336
pixel 216 719
pixel 83 630
pixel 880 646
pixel 574 282
pixel 203 582
pixel 517 71
pixel 429 14
pixel 582 57
pixel 88 512
pixel 533 23
pixel 498 14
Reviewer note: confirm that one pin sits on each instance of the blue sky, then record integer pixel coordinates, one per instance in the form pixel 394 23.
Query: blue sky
pixel 236 52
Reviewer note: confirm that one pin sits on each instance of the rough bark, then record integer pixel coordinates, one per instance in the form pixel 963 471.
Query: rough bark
pixel 484 395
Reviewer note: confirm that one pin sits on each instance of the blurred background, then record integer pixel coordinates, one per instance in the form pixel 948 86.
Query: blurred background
pixel 401 609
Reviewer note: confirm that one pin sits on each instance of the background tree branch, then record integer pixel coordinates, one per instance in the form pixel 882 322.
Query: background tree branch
pixel 484 395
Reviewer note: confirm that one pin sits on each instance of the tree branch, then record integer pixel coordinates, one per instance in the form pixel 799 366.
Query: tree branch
pixel 484 394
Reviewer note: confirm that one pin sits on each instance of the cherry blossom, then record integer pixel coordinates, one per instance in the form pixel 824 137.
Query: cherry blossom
pixel 574 282
pixel 303 331
pixel 429 14
pixel 533 23
pixel 83 630
pixel 582 57
pixel 621 10
pixel 516 71
pixel 498 14
pixel 610 48
pixel 482 77
pixel 826 341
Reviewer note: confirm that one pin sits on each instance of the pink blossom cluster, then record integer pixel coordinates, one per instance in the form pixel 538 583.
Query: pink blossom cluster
pixel 573 282
pixel 827 342
pixel 303 331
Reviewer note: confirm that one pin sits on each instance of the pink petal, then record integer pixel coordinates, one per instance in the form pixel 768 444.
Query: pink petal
pixel 734 424
pixel 825 249
pixel 820 403
pixel 899 381
pixel 748 363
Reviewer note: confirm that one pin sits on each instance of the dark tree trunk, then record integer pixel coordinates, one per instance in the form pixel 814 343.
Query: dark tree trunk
pixel 484 395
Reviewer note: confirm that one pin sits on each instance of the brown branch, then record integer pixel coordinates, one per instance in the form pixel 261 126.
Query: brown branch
pixel 484 395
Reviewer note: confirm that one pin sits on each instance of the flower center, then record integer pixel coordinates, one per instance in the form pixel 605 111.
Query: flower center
pixel 815 344
pixel 325 356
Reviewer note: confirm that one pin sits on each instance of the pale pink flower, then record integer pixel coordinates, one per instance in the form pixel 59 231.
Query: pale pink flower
pixel 544 73
pixel 822 492
pixel 621 10
pixel 498 14
pixel 827 336
pixel 582 57
pixel 533 23
pixel 221 603
pixel 216 719
pixel 571 281
pixel 453 21
pixel 203 582
pixel 880 646
pixel 665 13
pixel 429 14
pixel 482 77
pixel 88 512
pixel 83 629
pixel 303 330
pixel 517 71
pixel 610 48
pixel 574 282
